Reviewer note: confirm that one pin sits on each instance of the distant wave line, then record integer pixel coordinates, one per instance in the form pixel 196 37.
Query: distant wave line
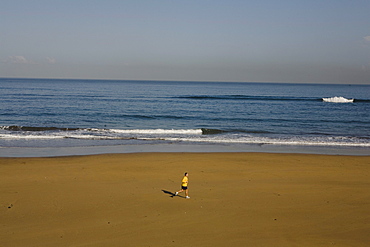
pixel 245 97
pixel 262 98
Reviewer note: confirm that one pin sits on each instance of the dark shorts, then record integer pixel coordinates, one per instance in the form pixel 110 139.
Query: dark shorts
pixel 184 188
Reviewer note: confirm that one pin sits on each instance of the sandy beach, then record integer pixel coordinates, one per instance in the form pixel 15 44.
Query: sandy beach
pixel 237 199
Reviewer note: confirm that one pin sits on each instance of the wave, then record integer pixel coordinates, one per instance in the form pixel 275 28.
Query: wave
pixel 27 128
pixel 337 100
pixel 286 142
pixel 211 131
pixel 16 128
pixel 46 135
pixel 201 131
pixel 272 98
pixel 361 100
pixel 245 97
pixel 159 131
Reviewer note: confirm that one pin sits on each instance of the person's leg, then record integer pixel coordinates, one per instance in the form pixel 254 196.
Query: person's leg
pixel 187 193
pixel 179 191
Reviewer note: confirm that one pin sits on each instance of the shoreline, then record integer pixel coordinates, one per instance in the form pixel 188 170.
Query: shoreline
pixel 242 199
pixel 170 148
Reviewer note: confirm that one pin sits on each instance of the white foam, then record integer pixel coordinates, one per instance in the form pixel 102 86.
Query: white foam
pixel 6 136
pixel 337 100
pixel 274 141
pixel 159 131
pixel 101 134
pixel 183 136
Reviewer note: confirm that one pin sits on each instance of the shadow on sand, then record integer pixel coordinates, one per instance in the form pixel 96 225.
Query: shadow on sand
pixel 170 193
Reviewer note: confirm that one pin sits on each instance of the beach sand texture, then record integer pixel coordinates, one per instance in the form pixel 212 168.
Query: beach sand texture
pixel 237 199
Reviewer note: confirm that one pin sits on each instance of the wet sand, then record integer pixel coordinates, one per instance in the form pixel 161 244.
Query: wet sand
pixel 237 199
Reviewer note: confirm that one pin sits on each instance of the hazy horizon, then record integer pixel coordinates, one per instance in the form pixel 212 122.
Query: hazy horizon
pixel 173 40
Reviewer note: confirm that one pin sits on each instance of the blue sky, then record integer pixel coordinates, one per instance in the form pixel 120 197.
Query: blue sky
pixel 326 41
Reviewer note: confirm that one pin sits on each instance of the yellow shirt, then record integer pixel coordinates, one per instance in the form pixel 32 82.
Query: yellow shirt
pixel 184 182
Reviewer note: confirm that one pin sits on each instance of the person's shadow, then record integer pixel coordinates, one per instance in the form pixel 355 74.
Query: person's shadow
pixel 170 193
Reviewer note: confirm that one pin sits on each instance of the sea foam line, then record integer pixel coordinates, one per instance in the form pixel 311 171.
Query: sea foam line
pixel 198 139
pixel 266 141
pixel 159 131
pixel 25 129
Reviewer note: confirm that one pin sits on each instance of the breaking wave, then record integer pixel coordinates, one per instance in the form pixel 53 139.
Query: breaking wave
pixel 27 128
pixel 337 100
pixel 154 136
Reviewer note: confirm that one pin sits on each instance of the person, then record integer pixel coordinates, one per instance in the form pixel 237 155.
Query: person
pixel 184 186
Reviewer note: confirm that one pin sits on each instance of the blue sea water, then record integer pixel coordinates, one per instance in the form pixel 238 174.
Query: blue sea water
pixel 55 113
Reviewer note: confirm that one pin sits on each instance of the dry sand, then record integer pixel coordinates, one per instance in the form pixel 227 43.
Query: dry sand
pixel 237 199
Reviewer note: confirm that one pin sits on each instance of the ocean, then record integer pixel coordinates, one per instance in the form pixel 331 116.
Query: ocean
pixel 44 117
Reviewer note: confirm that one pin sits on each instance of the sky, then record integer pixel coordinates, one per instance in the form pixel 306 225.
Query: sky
pixel 297 41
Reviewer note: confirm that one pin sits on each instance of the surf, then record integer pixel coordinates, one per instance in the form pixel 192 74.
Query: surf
pixel 337 99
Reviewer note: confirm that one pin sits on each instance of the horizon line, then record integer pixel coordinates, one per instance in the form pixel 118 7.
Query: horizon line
pixel 168 80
